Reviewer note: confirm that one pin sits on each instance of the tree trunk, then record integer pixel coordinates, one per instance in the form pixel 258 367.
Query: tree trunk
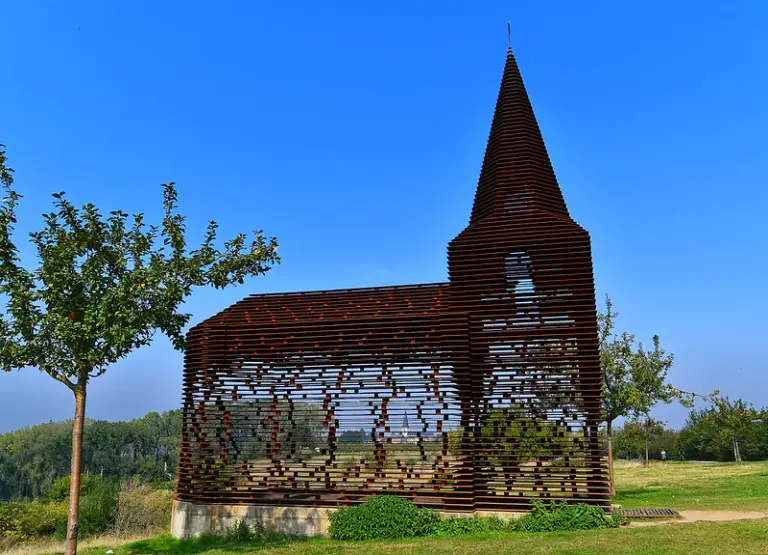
pixel 74 487
pixel 736 452
pixel 611 486
pixel 646 453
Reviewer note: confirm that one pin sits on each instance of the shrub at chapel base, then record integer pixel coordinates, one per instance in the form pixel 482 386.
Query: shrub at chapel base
pixel 383 517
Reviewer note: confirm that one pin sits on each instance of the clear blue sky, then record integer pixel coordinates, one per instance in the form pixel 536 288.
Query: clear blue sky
pixel 354 132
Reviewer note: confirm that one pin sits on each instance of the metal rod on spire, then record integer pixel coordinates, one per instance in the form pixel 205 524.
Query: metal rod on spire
pixel 509 36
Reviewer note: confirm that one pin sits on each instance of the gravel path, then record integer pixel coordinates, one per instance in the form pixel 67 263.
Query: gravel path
pixel 705 516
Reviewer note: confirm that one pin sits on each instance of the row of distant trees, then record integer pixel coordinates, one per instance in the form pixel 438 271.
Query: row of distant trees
pixel 724 430
pixel 32 459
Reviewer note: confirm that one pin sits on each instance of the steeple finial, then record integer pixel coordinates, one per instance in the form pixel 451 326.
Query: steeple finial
pixel 509 36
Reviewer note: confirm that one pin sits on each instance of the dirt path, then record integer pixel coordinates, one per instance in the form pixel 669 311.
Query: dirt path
pixel 704 516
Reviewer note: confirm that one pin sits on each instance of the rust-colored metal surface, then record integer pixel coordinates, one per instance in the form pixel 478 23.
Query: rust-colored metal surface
pixel 482 393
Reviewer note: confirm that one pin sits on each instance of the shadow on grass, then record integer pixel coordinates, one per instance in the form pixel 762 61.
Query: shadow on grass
pixel 204 544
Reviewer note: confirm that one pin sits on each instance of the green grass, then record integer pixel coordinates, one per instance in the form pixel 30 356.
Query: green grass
pixel 686 486
pixel 721 538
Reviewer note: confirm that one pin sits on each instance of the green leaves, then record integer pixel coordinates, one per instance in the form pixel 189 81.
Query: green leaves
pixel 104 286
pixel 383 517
pixel 101 290
pixel 725 430
pixel 32 459
pixel 389 517
pixel 635 378
pixel 16 284
pixel 565 517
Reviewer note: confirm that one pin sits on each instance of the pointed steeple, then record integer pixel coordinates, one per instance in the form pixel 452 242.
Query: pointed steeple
pixel 517 175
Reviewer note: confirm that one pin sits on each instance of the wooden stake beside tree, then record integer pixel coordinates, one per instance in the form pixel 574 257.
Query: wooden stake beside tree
pixel 102 288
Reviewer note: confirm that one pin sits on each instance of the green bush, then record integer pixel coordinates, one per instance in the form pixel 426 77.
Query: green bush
pixel 60 489
pixel 98 508
pixel 563 517
pixel 9 516
pixel 23 520
pixel 43 519
pixel 383 517
pixel 457 526
pixel 33 519
pixel 389 517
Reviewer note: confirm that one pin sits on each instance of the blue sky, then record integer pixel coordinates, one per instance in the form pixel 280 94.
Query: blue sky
pixel 354 132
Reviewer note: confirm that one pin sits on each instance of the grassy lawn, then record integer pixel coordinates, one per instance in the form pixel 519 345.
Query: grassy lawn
pixel 721 538
pixel 693 486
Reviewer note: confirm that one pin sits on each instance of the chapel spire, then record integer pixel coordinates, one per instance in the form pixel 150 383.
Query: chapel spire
pixel 516 174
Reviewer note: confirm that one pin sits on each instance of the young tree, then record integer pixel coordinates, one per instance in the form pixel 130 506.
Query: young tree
pixel 628 440
pixel 103 287
pixel 637 435
pixel 652 429
pixel 635 378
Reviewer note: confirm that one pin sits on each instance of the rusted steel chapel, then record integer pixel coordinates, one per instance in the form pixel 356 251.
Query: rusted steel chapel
pixel 478 394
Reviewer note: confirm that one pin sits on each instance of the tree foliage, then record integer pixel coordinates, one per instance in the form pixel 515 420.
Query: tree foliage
pixel 35 461
pixel 641 438
pixel 725 430
pixel 526 438
pixel 284 430
pixel 512 438
pixel 353 437
pixel 635 377
pixel 709 434
pixel 104 286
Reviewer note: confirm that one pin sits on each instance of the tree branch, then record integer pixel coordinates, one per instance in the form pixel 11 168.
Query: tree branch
pixel 694 394
pixel 63 379
pixel 98 373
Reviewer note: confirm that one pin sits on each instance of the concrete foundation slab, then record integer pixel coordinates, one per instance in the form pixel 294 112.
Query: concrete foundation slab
pixel 190 520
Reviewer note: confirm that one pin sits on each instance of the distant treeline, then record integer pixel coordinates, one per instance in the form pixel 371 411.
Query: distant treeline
pixel 724 431
pixel 32 459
